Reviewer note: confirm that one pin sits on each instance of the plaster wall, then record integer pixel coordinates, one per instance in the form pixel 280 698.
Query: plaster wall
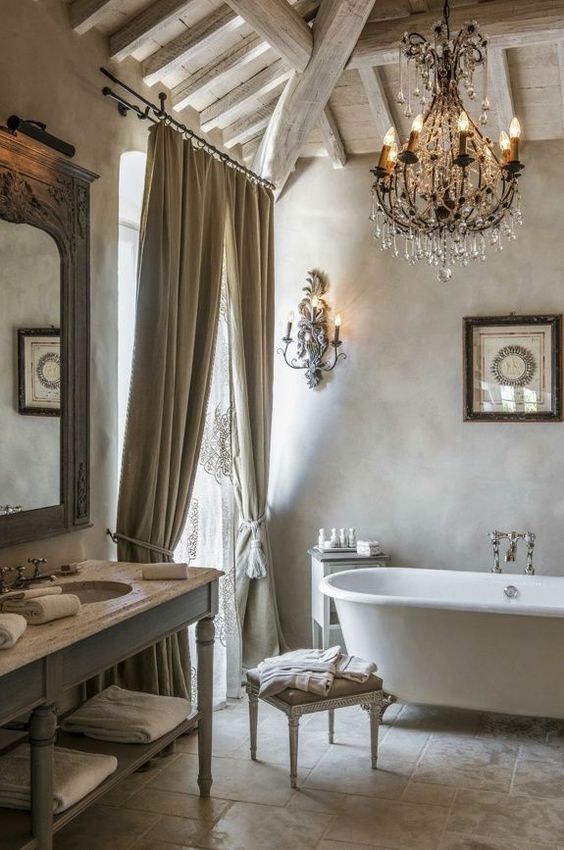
pixel 382 445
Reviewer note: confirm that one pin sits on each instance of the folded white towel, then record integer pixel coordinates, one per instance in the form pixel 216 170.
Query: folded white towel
pixel 127 716
pixel 44 609
pixel 12 627
pixel 163 572
pixel 33 592
pixel 75 774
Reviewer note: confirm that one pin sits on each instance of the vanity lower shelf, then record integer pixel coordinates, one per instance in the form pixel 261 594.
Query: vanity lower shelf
pixel 16 825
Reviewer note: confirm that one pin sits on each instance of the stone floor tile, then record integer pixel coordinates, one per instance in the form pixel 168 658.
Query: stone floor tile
pixel 468 763
pixel 346 768
pixel 130 786
pixel 102 827
pixel 328 844
pixel 538 779
pixel 432 795
pixel 317 800
pixel 153 844
pixel 451 721
pixel 513 728
pixel 251 827
pixel 512 819
pixel 183 831
pixel 177 804
pixel 233 779
pixel 388 823
pixel 273 745
pixel 465 842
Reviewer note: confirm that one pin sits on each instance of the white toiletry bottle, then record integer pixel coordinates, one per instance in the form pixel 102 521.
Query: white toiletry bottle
pixel 352 538
pixel 334 538
pixel 342 538
pixel 321 538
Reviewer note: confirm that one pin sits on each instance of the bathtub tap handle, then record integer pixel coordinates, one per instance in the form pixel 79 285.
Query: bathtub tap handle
pixel 530 539
pixel 495 537
pixel 511 591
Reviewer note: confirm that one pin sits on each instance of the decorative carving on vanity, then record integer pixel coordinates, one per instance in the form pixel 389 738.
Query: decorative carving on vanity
pixel 40 189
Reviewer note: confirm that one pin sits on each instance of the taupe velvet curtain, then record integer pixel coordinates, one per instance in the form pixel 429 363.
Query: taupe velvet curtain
pixel 250 281
pixel 179 282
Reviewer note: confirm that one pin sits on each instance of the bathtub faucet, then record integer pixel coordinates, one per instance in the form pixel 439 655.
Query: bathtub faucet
pixel 513 537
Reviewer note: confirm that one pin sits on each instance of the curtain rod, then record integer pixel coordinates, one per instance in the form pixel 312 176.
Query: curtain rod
pixel 159 114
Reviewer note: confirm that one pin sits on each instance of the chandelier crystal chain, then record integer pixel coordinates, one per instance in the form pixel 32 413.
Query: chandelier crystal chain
pixel 445 195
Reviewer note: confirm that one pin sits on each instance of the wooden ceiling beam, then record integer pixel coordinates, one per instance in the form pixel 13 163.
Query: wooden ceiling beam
pixel 499 83
pixel 85 14
pixel 204 33
pixel 281 26
pixel 231 60
pixel 335 32
pixel 377 99
pixel 507 24
pixel 237 101
pixel 245 129
pixel 144 26
pixel 331 137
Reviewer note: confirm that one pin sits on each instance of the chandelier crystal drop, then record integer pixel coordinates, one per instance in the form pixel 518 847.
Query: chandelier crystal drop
pixel 445 195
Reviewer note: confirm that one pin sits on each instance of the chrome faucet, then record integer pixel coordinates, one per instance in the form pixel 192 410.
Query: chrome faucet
pixel 21 581
pixel 513 537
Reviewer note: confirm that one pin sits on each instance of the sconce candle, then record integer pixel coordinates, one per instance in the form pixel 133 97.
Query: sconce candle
pixel 514 136
pixel 290 323
pixel 312 340
pixel 388 142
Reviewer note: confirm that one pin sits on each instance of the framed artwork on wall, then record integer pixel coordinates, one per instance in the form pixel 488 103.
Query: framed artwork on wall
pixel 512 368
pixel 39 371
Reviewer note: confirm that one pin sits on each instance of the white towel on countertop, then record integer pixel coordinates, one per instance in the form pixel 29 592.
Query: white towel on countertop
pixel 75 774
pixel 312 670
pixel 32 593
pixel 44 609
pixel 164 572
pixel 12 627
pixel 124 716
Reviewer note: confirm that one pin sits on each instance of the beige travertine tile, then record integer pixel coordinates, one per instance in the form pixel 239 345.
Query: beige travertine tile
pixel 152 844
pixel 316 800
pixel 432 795
pixel 502 817
pixel 273 745
pixel 465 842
pixel 347 769
pixel 539 779
pixel 389 823
pixel 251 827
pixel 102 827
pixel 504 726
pixel 233 779
pixel 183 831
pixel 130 786
pixel 468 763
pixel 328 844
pixel 177 804
pixel 438 719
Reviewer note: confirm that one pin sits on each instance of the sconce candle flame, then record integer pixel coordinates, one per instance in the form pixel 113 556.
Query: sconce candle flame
pixel 312 333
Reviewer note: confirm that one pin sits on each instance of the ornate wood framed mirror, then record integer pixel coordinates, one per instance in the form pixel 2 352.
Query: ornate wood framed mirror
pixel 44 342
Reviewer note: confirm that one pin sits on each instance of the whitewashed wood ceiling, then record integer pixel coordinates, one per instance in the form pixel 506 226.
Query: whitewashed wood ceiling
pixel 288 78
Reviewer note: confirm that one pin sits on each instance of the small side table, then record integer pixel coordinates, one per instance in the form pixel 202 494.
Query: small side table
pixel 325 629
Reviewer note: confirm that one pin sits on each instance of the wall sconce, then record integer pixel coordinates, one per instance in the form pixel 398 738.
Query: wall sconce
pixel 312 335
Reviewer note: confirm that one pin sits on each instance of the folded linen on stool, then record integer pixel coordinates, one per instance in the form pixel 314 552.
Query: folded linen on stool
pixel 12 627
pixel 75 774
pixel 354 668
pixel 44 609
pixel 312 670
pixel 129 717
pixel 163 572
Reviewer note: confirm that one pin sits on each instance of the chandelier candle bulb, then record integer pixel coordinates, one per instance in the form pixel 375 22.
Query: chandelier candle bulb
pixel 290 323
pixel 388 142
pixel 416 128
pixel 514 136
pixel 337 329
pixel 392 158
pixel 504 144
pixel 463 127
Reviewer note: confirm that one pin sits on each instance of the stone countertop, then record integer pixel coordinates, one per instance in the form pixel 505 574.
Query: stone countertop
pixel 40 641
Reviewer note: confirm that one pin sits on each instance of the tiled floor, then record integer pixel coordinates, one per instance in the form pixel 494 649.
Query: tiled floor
pixel 447 780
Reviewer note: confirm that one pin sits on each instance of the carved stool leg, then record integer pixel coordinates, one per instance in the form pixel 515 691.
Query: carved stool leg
pixel 293 726
pixel 331 725
pixel 373 710
pixel 253 722
pixel 42 738
pixel 204 640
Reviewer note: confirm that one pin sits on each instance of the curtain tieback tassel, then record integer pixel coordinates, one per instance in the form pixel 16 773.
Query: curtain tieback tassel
pixel 256 565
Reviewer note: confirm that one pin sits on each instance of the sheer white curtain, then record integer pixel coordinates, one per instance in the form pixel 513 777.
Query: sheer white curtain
pixel 211 525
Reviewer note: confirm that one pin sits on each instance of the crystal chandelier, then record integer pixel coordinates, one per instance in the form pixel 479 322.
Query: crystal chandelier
pixel 446 194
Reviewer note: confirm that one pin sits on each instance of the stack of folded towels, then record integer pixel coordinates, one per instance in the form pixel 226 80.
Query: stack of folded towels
pixel 368 548
pixel 128 717
pixel 312 670
pixel 75 774
pixel 40 605
pixel 12 627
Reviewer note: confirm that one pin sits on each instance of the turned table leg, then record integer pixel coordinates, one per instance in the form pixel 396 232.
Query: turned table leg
pixel 43 726
pixel 205 639
pixel 253 722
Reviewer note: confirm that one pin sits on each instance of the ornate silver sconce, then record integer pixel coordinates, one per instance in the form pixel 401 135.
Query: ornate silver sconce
pixel 312 335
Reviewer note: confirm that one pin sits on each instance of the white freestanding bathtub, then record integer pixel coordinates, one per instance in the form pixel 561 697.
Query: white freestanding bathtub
pixel 453 638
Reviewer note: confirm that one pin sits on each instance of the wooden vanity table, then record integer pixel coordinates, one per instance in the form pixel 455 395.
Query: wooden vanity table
pixel 55 657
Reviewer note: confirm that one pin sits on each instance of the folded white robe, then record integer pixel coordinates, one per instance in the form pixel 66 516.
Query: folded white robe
pixel 127 716
pixel 312 670
pixel 44 609
pixel 75 775
pixel 12 627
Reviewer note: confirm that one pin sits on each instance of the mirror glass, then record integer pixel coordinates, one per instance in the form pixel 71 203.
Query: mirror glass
pixel 30 373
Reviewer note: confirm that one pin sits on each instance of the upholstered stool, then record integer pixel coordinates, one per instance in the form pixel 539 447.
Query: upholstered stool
pixel 294 703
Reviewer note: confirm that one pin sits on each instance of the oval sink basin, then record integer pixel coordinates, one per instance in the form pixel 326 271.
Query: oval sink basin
pixel 97 591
